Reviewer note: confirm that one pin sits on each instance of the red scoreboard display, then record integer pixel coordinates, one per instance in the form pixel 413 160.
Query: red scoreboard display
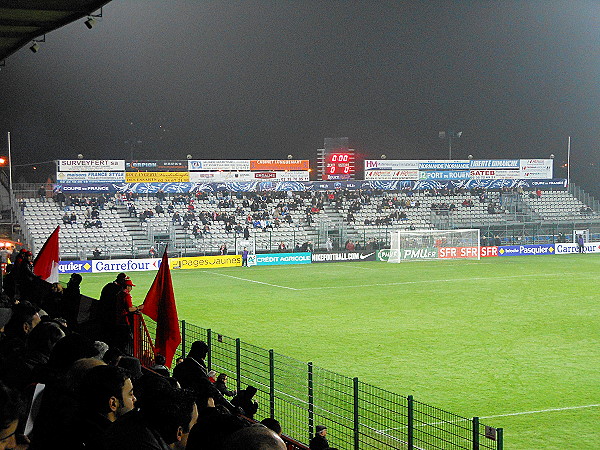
pixel 336 164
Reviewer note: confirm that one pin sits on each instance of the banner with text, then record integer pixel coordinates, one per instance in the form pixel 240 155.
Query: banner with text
pixel 90 177
pixel 280 164
pixel 342 257
pixel 203 262
pixel 157 177
pixel 271 259
pixel 91 165
pixel 156 166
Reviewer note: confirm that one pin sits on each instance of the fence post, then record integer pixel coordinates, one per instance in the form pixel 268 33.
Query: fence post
pixel 356 415
pixel 238 363
pixel 411 425
pixel 500 438
pixel 209 342
pixel 183 339
pixel 475 433
pixel 311 401
pixel 272 383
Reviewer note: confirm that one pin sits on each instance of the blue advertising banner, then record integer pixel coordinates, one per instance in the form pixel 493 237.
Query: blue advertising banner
pixel 271 259
pixel 495 164
pixel 75 267
pixel 521 250
pixel 445 175
pixel 301 186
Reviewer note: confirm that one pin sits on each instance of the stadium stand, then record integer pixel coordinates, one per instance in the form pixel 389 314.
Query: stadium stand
pixel 278 221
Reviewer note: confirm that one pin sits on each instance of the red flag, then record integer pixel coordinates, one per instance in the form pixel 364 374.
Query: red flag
pixel 46 261
pixel 159 305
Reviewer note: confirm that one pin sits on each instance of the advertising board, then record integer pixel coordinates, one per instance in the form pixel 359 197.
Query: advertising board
pixel 271 259
pixel 203 262
pixel 524 250
pixel 566 249
pixel 204 177
pixel 124 265
pixel 223 164
pixel 392 175
pixel 457 252
pixel 495 164
pixel 75 267
pixel 494 174
pixel 444 175
pixel 156 166
pixel 157 177
pixel 445 165
pixel 91 165
pixel 536 168
pixel 90 177
pixel 391 164
pixel 342 257
pixel 279 164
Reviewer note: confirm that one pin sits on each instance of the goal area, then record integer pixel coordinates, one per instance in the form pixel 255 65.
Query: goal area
pixel 434 244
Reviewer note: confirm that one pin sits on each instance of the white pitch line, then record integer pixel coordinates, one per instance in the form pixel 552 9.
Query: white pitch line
pixel 254 281
pixel 521 413
pixel 397 283
pixel 566 408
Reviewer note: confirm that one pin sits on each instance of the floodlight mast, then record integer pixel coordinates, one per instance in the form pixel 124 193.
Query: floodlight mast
pixel 450 135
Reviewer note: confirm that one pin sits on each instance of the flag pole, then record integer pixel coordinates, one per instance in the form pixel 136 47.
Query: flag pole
pixel 569 163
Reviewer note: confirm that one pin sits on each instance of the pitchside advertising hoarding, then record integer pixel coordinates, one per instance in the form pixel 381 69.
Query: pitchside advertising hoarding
pixel 271 259
pixel 566 249
pixel 525 250
pixel 109 265
pixel 442 253
pixel 343 257
pixel 203 262
pixel 227 165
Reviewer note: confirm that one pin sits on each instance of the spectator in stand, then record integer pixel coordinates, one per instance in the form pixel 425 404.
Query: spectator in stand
pixel 11 410
pixel 319 442
pixel 221 385
pixel 42 193
pixel 244 400
pixel 159 365
pixel 105 394
pixel 123 320
pixel 272 424
pixel 256 437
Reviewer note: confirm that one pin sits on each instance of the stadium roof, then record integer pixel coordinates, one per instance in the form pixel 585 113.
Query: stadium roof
pixel 24 20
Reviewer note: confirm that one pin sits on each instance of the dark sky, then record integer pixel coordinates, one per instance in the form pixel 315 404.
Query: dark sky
pixel 264 79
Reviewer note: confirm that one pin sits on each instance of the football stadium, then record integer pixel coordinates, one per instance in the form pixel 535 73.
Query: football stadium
pixel 337 298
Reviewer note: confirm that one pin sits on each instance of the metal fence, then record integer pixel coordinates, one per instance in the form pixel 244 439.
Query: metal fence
pixel 358 415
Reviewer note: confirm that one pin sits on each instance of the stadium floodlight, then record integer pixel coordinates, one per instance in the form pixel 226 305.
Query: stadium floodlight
pixel 90 22
pixel 434 244
pixel 450 135
pixel 35 47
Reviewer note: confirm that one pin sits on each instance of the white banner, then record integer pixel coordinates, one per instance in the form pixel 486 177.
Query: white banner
pixel 565 249
pixel 229 164
pixel 204 177
pixel 393 164
pixel 125 265
pixel 494 174
pixel 392 175
pixel 90 177
pixel 91 165
pixel 536 168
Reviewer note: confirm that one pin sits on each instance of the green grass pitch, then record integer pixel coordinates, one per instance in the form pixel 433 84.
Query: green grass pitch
pixel 512 340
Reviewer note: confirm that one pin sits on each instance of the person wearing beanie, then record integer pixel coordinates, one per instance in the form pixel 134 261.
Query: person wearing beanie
pixel 319 442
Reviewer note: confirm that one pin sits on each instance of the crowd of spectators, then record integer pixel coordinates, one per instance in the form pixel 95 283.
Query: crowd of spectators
pixel 71 385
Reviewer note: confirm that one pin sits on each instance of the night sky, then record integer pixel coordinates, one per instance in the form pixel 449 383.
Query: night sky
pixel 222 79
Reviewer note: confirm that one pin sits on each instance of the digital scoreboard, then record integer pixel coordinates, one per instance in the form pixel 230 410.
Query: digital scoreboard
pixel 336 164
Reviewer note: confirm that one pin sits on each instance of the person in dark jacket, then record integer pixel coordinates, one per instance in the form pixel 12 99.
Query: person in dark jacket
pixel 221 385
pixel 319 442
pixel 244 400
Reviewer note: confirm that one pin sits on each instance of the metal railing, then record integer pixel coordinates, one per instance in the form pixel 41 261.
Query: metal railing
pixel 358 415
